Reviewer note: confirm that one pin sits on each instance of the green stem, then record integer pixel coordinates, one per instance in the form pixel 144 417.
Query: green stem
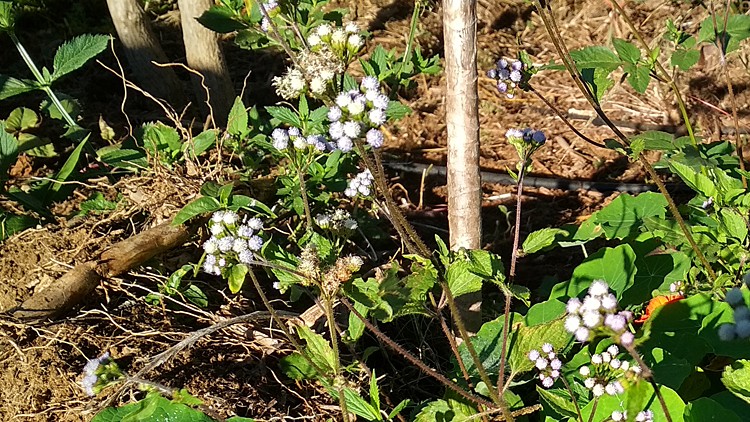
pixel 664 74
pixel 412 30
pixel 303 193
pixel 43 84
pixel 573 397
pixel 647 374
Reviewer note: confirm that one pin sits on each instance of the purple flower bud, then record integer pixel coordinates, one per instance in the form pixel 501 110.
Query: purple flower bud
pixel 538 137
pixel 492 73
pixel 502 87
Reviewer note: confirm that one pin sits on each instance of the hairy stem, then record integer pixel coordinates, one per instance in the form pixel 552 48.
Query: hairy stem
pixel 647 374
pixel 276 35
pixel 303 193
pixel 414 360
pixel 451 341
pixel 573 397
pixel 565 119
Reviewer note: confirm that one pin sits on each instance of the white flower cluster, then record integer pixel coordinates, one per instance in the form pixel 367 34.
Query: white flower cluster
pixel 339 223
pixel 90 375
pixel 271 7
pixel 508 76
pixel 345 42
pixel 642 416
pixel 547 363
pixel 741 327
pixel 282 138
pixel 315 75
pixel 231 241
pixel 607 370
pixel 598 312
pixel 677 287
pixel 357 111
pixel 361 184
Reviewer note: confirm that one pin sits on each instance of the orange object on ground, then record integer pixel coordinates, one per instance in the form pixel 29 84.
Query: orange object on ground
pixel 656 303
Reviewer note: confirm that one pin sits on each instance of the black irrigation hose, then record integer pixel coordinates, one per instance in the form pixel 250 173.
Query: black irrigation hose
pixel 540 182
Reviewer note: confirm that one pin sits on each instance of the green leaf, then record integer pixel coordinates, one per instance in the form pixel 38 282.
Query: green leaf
pixel 10 86
pixel 318 350
pixel 70 105
pixel 8 150
pixel 237 277
pixel 197 207
pixel 541 239
pixel 153 408
pixel 623 216
pixel 21 119
pixel 628 52
pixel 221 19
pixel 733 224
pixel 461 280
pixel 356 327
pixel 443 411
pixel 397 110
pixel 7 16
pixel 76 52
pixel 358 406
pixel 160 140
pixel 196 296
pixel 598 80
pixel 238 119
pixel 645 394
pixel 737 30
pixel 668 369
pixel 70 165
pixel 203 141
pixel 532 338
pixel 639 77
pixel 374 392
pixel 284 115
pixel 596 57
pixel 96 204
pixel 11 224
pixel 616 266
pixel 656 140
pixel 685 59
pixel 296 367
pixel 705 409
pixel 737 379
pixel 558 400
pixel 399 407
pixel 696 180
pixel 544 312
pixel 655 271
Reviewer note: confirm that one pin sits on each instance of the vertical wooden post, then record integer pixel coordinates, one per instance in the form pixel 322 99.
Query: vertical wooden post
pixel 462 120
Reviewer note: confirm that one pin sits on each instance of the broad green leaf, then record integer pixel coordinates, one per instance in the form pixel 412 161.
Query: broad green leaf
pixel 623 216
pixel 221 19
pixel 705 409
pixel 238 118
pixel 358 406
pixel 668 370
pixel 541 239
pixel 237 277
pixel 10 86
pixel 596 57
pixel 737 30
pixel 70 165
pixel 11 224
pixel 284 115
pixel 397 110
pixel 152 409
pixel 21 119
pixel 8 150
pixel 356 327
pixel 696 180
pixel 638 77
pixel 737 379
pixel 558 400
pixel 297 367
pixel 196 296
pixel 202 205
pixel 443 411
pixel 685 58
pixel 645 394
pixel 76 52
pixel 628 52
pixel 318 349
pixel 203 141
pixel 655 271
pixel 96 204
pixel 160 139
pixel 598 81
pixel 461 280
pixel 70 105
pixel 733 224
pixel 530 338
pixel 544 312
pixel 488 345
pixel 656 140
pixel 616 266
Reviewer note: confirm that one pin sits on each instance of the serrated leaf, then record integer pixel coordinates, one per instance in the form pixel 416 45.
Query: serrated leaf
pixel 203 141
pixel 598 81
pixel 297 367
pixel 696 180
pixel 737 30
pixel 639 78
pixel 628 52
pixel 532 338
pixel 541 239
pixel 76 52
pixel 7 16
pixel 284 115
pixel 358 406
pixel 461 280
pixel 153 408
pixel 685 59
pixel 202 205
pixel 238 119
pixel 737 379
pixel 397 110
pixel 596 57
pixel 318 349
pixel 10 86
pixel 655 140
pixel 558 400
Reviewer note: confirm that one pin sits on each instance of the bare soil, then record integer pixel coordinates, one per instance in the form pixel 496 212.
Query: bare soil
pixel 235 371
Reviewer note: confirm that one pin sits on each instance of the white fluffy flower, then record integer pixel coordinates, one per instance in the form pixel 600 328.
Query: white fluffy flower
pixel 598 288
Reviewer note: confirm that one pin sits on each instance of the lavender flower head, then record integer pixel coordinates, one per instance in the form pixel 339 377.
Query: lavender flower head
pixel 547 363
pixel 596 314
pixel 509 76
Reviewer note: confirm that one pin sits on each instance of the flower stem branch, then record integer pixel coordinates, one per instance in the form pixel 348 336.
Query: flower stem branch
pixel 647 374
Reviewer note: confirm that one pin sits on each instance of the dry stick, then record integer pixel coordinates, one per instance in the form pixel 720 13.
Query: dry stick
pixel 730 91
pixel 168 354
pixel 664 74
pixel 573 71
pixel 565 119
pixel 414 360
